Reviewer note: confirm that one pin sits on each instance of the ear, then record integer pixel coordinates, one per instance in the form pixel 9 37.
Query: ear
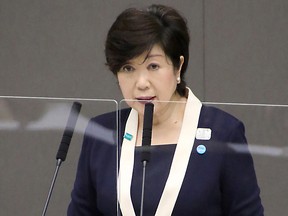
pixel 178 73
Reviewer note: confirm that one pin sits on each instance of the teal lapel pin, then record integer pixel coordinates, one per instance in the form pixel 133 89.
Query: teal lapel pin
pixel 128 136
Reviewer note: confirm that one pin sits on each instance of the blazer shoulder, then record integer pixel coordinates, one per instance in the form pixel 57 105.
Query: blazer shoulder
pixel 224 125
pixel 210 114
pixel 109 119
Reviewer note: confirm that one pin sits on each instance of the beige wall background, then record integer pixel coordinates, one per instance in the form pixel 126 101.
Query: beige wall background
pixel 238 54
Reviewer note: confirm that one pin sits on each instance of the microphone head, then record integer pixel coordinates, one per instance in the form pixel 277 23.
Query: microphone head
pixel 68 132
pixel 147 131
pixel 148 116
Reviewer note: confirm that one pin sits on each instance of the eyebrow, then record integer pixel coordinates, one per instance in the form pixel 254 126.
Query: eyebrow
pixel 153 55
pixel 149 55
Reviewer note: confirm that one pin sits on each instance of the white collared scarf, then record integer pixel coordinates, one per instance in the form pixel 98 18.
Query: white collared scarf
pixel 179 164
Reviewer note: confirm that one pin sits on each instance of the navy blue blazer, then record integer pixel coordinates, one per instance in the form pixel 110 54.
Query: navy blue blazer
pixel 220 182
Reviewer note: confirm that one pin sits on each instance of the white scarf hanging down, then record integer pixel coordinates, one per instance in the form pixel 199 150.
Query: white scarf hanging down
pixel 179 164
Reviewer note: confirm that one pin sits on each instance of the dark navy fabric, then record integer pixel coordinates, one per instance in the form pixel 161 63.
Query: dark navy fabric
pixel 220 182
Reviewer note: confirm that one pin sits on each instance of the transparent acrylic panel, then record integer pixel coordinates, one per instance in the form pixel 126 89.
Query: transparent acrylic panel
pixel 266 127
pixel 151 176
pixel 31 130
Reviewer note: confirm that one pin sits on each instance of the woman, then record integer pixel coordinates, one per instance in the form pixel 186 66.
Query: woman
pixel 195 168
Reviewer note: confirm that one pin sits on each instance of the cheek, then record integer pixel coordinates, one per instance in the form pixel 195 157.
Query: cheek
pixel 168 82
pixel 124 87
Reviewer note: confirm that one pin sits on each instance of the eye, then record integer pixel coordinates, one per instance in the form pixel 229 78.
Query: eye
pixel 153 66
pixel 127 68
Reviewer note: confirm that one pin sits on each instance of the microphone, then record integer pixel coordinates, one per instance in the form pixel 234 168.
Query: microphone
pixel 64 146
pixel 68 132
pixel 146 143
pixel 147 131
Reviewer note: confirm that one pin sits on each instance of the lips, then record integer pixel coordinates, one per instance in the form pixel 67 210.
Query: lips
pixel 145 99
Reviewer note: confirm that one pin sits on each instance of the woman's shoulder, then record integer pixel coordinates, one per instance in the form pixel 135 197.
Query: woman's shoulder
pixel 223 125
pixel 211 114
pixel 110 118
pixel 105 126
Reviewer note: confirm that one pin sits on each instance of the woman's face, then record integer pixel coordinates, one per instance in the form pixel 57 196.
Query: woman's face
pixel 149 77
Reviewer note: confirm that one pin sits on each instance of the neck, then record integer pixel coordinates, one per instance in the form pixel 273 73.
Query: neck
pixel 167 122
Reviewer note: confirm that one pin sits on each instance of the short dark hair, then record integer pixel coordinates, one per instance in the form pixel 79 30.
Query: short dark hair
pixel 136 31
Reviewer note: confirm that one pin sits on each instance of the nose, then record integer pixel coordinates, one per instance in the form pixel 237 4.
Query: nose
pixel 143 81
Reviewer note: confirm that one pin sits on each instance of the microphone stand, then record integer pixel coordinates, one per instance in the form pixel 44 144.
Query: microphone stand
pixel 146 143
pixel 143 188
pixel 58 164
pixel 63 148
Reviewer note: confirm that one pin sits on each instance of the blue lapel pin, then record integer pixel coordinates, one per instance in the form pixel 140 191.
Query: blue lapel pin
pixel 201 149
